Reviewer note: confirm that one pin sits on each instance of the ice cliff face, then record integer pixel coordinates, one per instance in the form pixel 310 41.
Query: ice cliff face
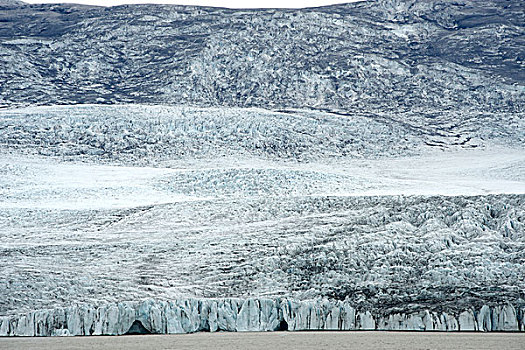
pixel 237 315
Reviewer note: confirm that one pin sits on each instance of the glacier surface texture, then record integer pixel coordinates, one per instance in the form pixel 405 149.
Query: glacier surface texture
pixel 175 169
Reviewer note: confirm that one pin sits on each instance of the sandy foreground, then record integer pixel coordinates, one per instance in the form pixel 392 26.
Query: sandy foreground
pixel 279 340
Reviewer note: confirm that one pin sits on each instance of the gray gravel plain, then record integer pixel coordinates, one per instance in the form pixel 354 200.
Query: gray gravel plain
pixel 279 340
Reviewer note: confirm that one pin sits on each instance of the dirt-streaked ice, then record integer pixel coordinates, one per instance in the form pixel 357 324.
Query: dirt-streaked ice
pixel 105 206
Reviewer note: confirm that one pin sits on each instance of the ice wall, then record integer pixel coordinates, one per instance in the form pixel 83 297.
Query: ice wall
pixel 239 315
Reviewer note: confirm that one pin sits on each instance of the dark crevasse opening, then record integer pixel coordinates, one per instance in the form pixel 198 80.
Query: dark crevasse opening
pixel 137 328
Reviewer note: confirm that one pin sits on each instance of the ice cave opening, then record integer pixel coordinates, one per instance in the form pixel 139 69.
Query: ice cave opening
pixel 283 326
pixel 137 328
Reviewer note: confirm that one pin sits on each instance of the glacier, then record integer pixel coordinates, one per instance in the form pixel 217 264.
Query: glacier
pixel 248 315
pixel 402 60
pixel 177 169
pixel 213 218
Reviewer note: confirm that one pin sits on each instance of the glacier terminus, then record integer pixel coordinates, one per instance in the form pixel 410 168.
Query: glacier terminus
pixel 177 169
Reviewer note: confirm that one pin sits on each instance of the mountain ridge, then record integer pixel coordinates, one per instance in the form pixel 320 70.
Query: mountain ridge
pixel 366 55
